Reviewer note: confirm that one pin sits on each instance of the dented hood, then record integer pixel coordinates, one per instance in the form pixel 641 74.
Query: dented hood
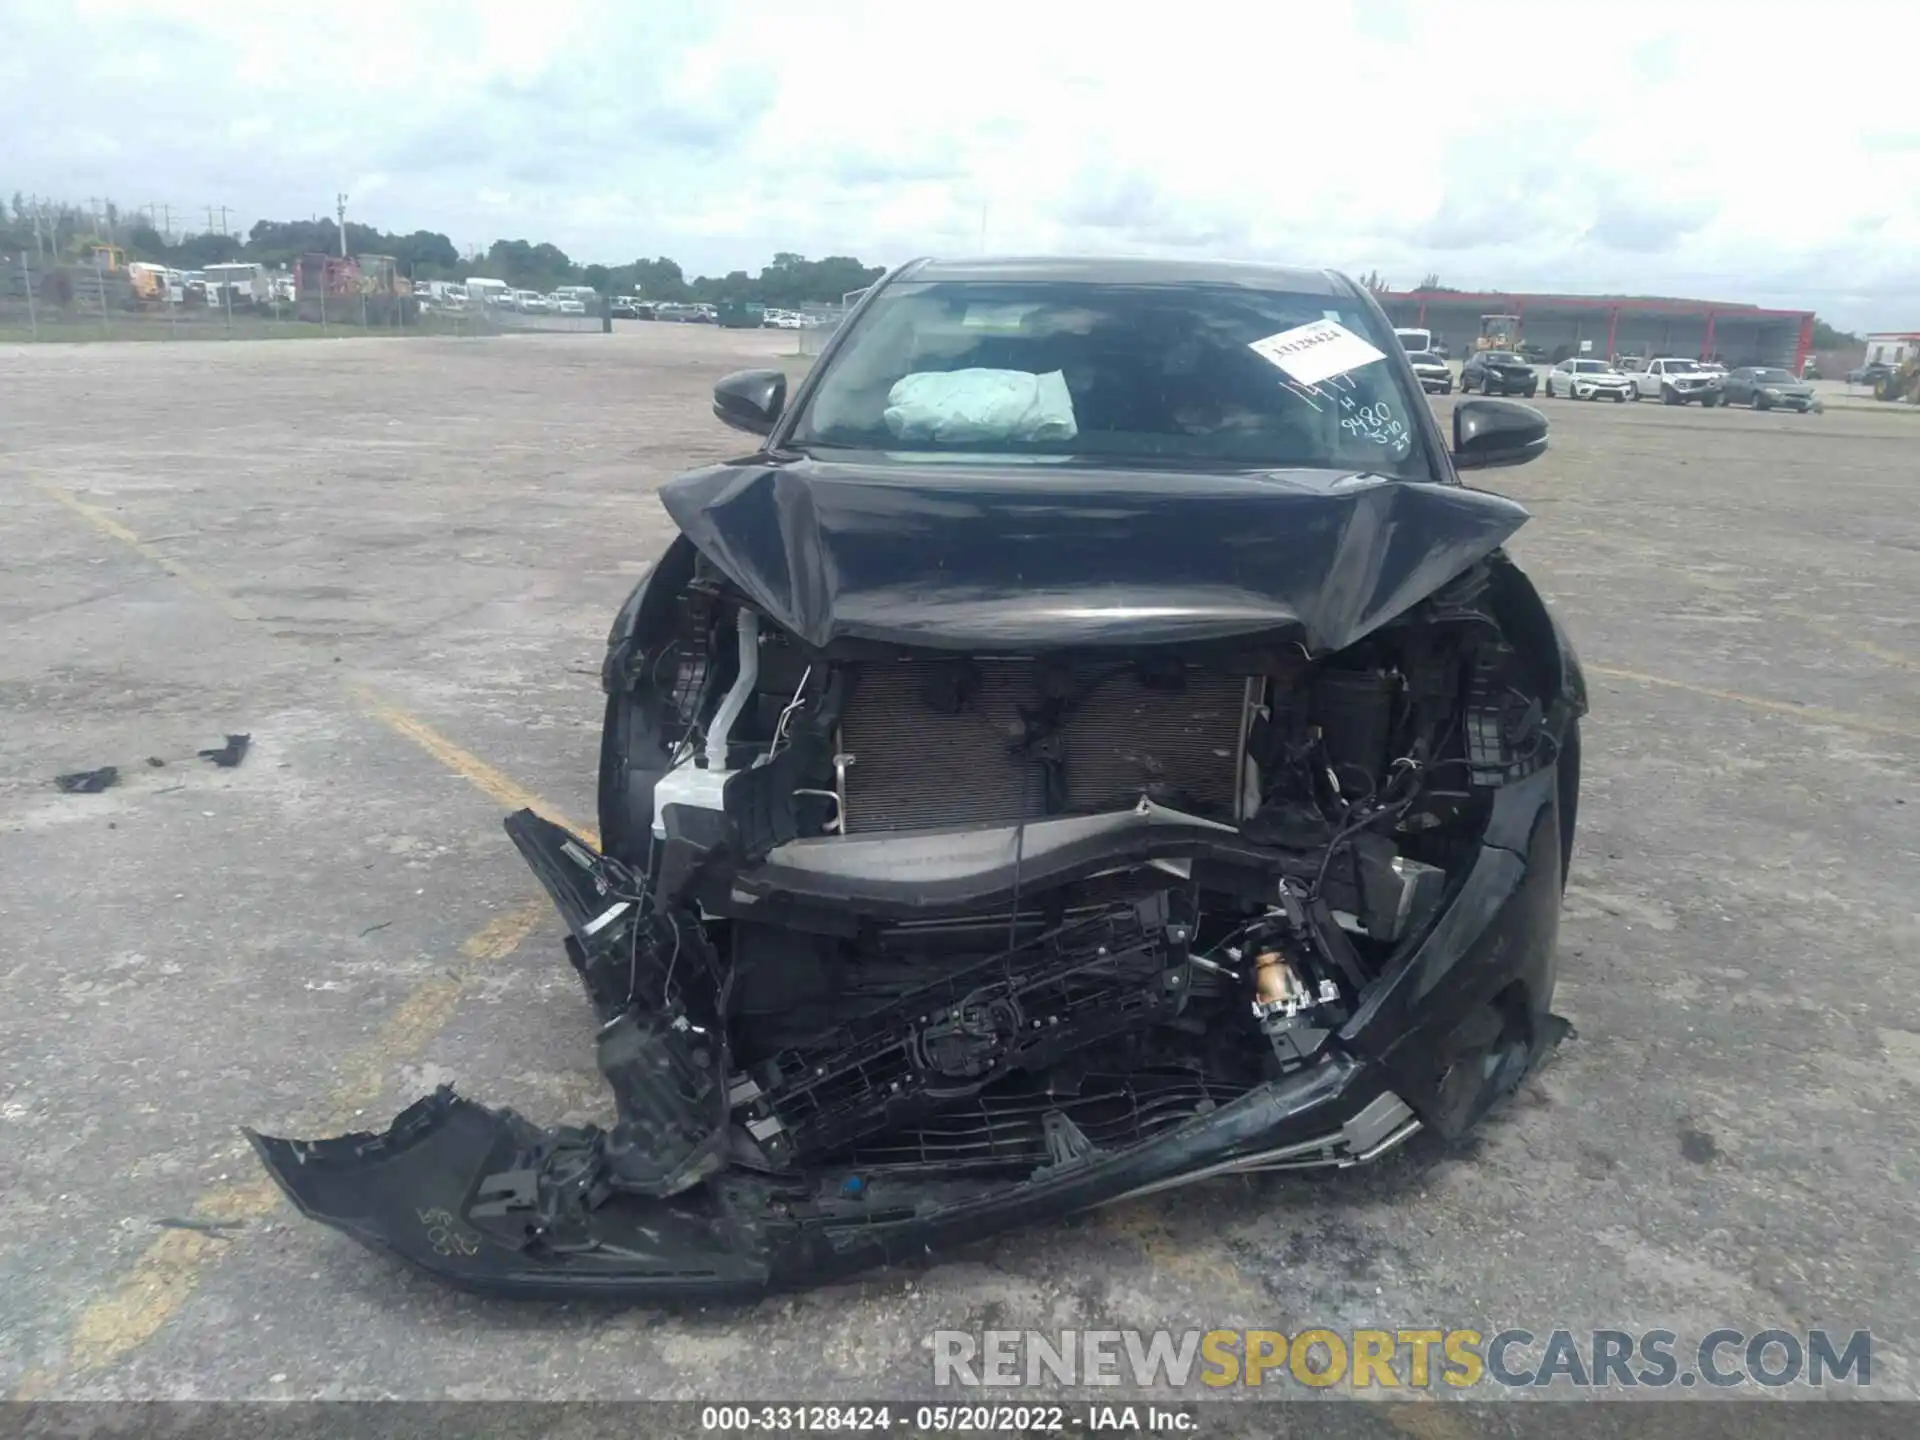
pixel 996 555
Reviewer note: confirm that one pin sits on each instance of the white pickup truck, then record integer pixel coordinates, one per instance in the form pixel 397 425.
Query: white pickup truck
pixel 1676 382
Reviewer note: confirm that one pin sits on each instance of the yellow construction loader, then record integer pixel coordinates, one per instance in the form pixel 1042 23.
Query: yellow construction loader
pixel 1498 332
pixel 1902 383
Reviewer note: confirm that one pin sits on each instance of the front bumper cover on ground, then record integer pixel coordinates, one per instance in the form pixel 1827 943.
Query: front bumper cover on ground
pixel 479 1197
pixel 489 1201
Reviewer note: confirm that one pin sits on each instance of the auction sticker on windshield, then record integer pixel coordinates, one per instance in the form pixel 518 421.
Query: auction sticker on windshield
pixel 1316 351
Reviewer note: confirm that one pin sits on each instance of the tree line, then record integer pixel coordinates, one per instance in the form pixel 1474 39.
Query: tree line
pixel 57 231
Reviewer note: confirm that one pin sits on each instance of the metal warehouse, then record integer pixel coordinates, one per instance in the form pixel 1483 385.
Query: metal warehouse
pixel 1615 325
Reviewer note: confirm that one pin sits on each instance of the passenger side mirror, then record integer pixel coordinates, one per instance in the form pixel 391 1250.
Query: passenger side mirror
pixel 750 400
pixel 1487 433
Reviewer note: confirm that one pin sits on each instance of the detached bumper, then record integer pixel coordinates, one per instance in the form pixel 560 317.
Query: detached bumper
pixel 483 1199
pixel 488 1201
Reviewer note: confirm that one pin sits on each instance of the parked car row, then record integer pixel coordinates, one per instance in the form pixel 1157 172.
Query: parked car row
pixel 632 307
pixel 480 293
pixel 1668 379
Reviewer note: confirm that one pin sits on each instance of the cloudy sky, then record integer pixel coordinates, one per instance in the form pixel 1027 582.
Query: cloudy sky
pixel 1766 150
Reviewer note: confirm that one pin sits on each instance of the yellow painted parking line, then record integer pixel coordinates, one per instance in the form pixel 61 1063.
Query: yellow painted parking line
pixel 422 1015
pixel 107 525
pixel 488 779
pixel 170 1269
pixel 1809 714
pixel 166 1273
pixel 1866 647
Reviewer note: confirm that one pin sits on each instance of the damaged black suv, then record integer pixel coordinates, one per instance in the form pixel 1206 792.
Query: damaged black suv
pixel 1094 743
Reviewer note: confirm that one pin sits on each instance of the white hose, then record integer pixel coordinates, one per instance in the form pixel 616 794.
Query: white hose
pixel 747 623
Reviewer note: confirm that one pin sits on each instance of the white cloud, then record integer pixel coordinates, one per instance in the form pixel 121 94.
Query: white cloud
pixel 1677 150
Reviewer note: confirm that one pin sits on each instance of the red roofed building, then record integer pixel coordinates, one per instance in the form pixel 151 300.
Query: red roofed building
pixel 1613 325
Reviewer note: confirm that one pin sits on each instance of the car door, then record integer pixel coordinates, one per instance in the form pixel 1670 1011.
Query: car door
pixel 1647 382
pixel 1737 387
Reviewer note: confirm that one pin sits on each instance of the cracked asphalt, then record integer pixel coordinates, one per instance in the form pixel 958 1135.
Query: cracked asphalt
pixel 393 564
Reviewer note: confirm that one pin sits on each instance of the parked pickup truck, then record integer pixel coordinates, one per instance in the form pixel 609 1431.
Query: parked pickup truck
pixel 1677 382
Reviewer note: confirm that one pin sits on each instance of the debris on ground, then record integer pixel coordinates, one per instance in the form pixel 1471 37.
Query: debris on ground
pixel 216 1228
pixel 155 762
pixel 88 782
pixel 230 754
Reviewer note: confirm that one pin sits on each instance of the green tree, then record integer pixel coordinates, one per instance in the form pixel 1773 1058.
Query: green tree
pixel 16 233
pixel 426 254
pixel 794 280
pixel 528 266
pixel 660 279
pixel 196 252
pixel 1825 337
pixel 147 243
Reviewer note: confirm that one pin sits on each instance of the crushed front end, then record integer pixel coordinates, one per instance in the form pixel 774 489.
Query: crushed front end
pixel 907 933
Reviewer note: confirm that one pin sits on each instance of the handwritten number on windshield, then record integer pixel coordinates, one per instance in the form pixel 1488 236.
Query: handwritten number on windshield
pixel 1374 422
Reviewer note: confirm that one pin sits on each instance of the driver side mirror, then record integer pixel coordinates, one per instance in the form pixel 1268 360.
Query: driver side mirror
pixel 1487 433
pixel 750 400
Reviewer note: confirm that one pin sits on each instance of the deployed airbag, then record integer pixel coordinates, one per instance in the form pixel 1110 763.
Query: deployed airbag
pixel 957 406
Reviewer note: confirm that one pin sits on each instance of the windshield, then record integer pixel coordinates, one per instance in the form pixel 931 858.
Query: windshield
pixel 1502 357
pixel 1119 372
pixel 1423 357
pixel 1680 367
pixel 1589 367
pixel 1773 377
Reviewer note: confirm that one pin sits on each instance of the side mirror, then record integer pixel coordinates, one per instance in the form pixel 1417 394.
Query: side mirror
pixel 750 400
pixel 1487 433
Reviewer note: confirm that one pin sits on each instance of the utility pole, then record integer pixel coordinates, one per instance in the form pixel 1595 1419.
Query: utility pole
pixel 223 220
pixel 209 219
pixel 340 211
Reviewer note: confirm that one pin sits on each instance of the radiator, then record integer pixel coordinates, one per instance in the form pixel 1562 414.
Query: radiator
pixel 912 766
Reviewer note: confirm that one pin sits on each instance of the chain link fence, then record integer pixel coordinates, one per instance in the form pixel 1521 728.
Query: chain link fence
pixel 817 325
pixel 111 300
